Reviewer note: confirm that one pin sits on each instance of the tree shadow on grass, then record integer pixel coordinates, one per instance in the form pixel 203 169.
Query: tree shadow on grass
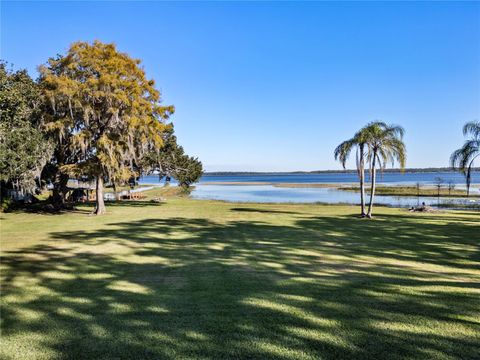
pixel 45 207
pixel 323 287
pixel 263 211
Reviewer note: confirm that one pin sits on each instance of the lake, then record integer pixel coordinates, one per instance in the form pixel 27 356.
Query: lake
pixel 330 178
pixel 270 193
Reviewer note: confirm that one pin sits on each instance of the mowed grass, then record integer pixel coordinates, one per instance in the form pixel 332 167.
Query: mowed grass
pixel 193 279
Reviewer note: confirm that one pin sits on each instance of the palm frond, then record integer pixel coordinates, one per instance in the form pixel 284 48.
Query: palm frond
pixel 472 128
pixel 342 151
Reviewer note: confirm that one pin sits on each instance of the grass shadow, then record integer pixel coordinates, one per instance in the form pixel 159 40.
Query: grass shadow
pixel 320 287
pixel 263 211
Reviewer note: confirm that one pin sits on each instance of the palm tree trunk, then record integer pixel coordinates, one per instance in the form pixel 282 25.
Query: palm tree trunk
pixel 372 191
pixel 100 203
pixel 362 180
pixel 468 182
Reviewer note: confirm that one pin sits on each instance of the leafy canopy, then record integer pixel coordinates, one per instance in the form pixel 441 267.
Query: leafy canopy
pixel 103 109
pixel 171 160
pixel 23 148
pixel 385 144
pixel 464 158
pixel 188 170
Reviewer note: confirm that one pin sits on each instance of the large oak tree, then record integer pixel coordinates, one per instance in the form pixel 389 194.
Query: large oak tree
pixel 104 113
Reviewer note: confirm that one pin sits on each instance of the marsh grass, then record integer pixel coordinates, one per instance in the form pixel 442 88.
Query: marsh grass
pixel 412 191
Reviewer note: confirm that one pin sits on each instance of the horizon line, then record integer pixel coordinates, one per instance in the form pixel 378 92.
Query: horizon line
pixel 425 169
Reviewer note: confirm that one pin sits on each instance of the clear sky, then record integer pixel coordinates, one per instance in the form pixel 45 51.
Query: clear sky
pixel 276 86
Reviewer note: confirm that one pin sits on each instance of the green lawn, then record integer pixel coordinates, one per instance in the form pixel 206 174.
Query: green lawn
pixel 193 279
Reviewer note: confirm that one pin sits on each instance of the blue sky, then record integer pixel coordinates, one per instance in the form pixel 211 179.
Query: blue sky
pixel 276 86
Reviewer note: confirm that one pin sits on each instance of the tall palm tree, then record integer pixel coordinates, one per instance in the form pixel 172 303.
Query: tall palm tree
pixel 385 144
pixel 464 157
pixel 342 152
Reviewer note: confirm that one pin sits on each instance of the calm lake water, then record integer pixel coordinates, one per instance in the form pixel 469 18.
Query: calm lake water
pixel 270 193
pixel 332 178
pixel 336 178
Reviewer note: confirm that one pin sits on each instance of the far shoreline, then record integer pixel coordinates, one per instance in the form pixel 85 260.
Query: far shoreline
pixel 319 185
pixel 278 184
pixel 339 171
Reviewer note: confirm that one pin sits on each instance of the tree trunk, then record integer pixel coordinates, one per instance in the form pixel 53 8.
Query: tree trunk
pixel 60 189
pixel 468 182
pixel 362 181
pixel 100 203
pixel 117 195
pixel 372 191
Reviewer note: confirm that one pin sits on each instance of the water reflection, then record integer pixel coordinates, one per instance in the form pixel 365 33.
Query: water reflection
pixel 272 194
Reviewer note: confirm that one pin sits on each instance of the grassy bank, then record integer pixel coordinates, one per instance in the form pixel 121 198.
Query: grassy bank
pixel 202 279
pixel 413 191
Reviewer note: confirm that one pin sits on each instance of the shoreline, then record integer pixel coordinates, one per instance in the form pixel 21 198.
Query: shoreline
pixel 431 170
pixel 396 190
pixel 328 185
pixel 279 184
pixel 427 191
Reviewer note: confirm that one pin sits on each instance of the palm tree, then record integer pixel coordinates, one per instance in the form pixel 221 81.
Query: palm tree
pixel 385 145
pixel 464 157
pixel 342 152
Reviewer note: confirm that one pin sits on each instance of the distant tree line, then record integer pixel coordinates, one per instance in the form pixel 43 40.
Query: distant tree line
pixel 92 114
pixel 343 171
